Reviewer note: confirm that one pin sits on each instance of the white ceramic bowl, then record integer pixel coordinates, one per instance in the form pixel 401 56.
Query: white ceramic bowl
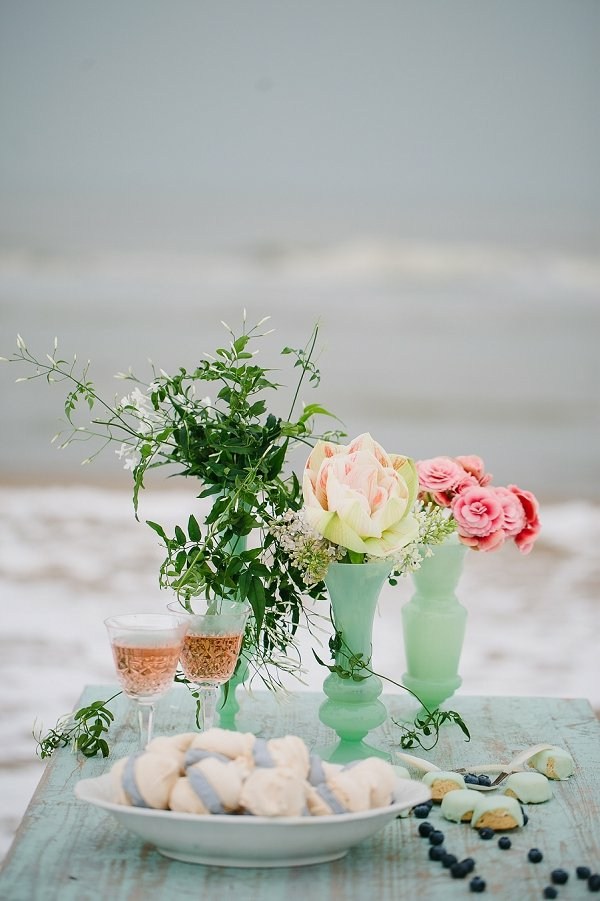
pixel 239 841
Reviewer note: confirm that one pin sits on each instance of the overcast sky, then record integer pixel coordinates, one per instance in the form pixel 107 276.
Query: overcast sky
pixel 184 123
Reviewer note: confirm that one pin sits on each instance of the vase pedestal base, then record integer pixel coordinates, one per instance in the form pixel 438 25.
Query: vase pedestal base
pixel 347 751
pixel 351 720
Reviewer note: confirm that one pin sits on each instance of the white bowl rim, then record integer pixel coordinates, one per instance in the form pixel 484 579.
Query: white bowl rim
pixel 91 789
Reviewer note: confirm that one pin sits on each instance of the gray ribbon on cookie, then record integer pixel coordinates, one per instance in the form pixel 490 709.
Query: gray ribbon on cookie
pixel 261 753
pixel 129 784
pixel 205 791
pixel 327 795
pixel 316 773
pixel 193 755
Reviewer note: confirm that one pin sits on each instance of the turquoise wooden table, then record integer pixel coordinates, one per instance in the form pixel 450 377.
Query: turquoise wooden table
pixel 68 850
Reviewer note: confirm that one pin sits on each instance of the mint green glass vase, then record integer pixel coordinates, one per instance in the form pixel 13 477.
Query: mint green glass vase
pixel 227 705
pixel 353 708
pixel 433 623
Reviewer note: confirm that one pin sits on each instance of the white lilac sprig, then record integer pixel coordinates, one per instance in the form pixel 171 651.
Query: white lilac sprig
pixel 308 551
pixel 434 528
pixel 312 554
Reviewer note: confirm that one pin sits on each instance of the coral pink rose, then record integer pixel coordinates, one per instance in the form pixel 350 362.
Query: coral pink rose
pixel 514 514
pixel 475 466
pixel 491 542
pixel 526 538
pixel 478 512
pixel 360 497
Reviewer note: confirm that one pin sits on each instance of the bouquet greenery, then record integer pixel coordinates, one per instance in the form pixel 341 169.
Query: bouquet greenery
pixel 236 450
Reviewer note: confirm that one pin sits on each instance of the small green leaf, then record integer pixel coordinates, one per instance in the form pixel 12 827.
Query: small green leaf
pixel 194 529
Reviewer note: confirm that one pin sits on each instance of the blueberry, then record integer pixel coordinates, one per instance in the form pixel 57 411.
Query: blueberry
pixel 477 884
pixel 471 779
pixel 559 877
pixel 486 833
pixel 425 829
pixel 594 882
pixel 436 837
pixel 484 780
pixel 504 843
pixel 583 872
pixel 421 811
pixel 469 863
pixel 534 855
pixel 448 860
pixel 550 892
pixel 436 852
pixel 459 870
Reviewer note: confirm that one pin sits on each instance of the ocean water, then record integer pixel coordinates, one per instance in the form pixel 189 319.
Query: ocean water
pixel 432 348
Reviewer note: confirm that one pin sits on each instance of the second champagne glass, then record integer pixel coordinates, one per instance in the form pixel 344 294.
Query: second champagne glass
pixel 211 648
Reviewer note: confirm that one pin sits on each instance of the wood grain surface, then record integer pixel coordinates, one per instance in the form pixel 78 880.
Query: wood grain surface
pixel 68 850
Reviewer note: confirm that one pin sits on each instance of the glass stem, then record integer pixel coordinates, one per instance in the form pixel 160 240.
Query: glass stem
pixel 208 698
pixel 146 723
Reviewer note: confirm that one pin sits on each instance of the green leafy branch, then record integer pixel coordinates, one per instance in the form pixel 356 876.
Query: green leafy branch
pixel 85 729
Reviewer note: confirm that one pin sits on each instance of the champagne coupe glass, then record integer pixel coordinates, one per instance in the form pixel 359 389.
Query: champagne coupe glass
pixel 211 648
pixel 146 649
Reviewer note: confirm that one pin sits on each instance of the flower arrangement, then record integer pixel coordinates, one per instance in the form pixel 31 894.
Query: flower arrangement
pixel 360 505
pixel 485 516
pixel 355 504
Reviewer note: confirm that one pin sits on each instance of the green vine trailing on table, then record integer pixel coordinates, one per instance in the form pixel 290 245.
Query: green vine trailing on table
pixel 425 726
pixel 84 728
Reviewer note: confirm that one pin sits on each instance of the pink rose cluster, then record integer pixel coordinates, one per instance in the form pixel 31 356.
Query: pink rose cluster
pixel 485 515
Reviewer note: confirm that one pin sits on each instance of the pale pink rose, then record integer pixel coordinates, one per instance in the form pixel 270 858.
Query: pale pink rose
pixel 526 538
pixel 475 466
pixel 439 474
pixel 360 497
pixel 514 514
pixel 478 512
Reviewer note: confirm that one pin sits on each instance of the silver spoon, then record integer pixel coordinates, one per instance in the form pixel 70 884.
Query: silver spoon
pixel 503 770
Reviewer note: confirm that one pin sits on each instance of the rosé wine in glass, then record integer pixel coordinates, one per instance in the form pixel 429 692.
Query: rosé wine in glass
pixel 211 648
pixel 145 672
pixel 146 649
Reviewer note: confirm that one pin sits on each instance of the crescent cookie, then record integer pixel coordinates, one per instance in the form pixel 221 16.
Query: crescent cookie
pixel 289 751
pixel 378 775
pixel 145 780
pixel 529 788
pixel 458 806
pixel 223 742
pixel 441 782
pixel 210 786
pixel 555 763
pixel 499 812
pixel 274 792
pixel 359 785
pixel 173 745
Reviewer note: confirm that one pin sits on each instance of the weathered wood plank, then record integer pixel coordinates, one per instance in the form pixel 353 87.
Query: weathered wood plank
pixel 71 851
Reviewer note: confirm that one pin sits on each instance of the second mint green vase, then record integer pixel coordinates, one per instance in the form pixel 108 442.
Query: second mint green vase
pixel 433 623
pixel 353 708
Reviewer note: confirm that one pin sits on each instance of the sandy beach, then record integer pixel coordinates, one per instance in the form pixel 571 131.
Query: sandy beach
pixel 72 555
